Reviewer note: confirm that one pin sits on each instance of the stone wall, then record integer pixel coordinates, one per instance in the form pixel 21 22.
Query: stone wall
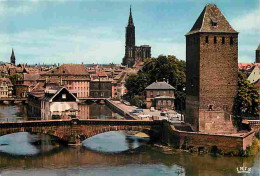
pixel 216 122
pixel 211 73
pixel 204 142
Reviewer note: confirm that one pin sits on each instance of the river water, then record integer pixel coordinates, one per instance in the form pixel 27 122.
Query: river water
pixel 107 154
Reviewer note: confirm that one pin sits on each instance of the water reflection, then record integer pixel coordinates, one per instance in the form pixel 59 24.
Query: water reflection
pixel 113 142
pixel 86 111
pixel 13 112
pixel 148 161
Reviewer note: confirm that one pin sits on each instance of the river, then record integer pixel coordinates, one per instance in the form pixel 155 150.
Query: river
pixel 107 154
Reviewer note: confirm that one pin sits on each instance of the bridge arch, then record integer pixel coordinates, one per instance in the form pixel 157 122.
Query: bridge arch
pixel 74 131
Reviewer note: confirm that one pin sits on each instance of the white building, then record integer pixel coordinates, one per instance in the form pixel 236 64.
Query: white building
pixel 58 103
pixel 255 75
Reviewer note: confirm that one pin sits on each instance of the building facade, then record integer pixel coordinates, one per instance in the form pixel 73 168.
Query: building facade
pixel 6 88
pixel 101 89
pixel 212 64
pixel 74 77
pixel 58 104
pixel 160 95
pixel 134 54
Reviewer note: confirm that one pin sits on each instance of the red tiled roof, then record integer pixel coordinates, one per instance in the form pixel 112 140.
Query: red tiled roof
pixel 31 77
pixel 257 83
pixel 71 69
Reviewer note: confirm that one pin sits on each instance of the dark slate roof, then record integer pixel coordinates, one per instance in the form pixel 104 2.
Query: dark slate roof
pixel 210 15
pixel 159 86
pixel 258 48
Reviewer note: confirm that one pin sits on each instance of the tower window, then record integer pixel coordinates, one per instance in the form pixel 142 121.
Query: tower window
pixel 213 23
pixel 231 41
pixel 223 40
pixel 215 39
pixel 207 39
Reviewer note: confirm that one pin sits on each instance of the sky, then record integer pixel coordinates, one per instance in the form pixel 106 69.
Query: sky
pixel 93 31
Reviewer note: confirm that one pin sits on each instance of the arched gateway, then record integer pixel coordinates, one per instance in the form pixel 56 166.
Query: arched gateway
pixel 74 131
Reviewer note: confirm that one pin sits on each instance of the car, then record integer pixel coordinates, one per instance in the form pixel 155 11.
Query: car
pixel 165 109
pixel 144 116
pixel 135 111
pixel 164 113
pixel 127 103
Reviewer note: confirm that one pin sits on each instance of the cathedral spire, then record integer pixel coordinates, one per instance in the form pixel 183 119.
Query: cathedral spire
pixel 12 58
pixel 130 21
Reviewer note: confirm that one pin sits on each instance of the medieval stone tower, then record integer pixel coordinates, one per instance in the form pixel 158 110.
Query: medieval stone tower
pixel 134 54
pixel 212 64
pixel 257 54
pixel 12 58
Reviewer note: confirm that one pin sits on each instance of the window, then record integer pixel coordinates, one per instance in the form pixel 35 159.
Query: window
pixel 215 39
pixel 207 39
pixel 225 107
pixel 151 94
pixel 223 40
pixel 231 41
pixel 64 96
pixel 214 23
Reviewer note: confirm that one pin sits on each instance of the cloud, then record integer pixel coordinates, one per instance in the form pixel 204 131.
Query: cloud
pixel 16 8
pixel 247 23
pixel 63 44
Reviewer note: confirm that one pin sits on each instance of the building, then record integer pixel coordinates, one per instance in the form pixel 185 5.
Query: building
pixel 26 84
pixel 160 95
pixel 212 65
pixel 257 54
pixel 34 103
pixel 6 88
pixel 74 77
pixel 118 86
pixel 12 58
pixel 134 54
pixel 58 103
pixel 254 75
pixel 101 89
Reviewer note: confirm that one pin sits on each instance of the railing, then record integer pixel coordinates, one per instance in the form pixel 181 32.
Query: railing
pixel 61 122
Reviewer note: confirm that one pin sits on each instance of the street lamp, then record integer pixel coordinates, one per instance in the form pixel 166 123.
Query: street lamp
pixel 181 104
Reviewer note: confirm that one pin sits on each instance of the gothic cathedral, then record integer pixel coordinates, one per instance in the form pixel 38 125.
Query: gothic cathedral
pixel 134 54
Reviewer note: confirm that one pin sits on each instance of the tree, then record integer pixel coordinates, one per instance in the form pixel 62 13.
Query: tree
pixel 158 69
pixel 14 78
pixel 247 101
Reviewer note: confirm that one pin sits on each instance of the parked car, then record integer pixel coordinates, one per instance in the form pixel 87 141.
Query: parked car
pixel 164 113
pixel 165 109
pixel 136 111
pixel 144 116
pixel 127 103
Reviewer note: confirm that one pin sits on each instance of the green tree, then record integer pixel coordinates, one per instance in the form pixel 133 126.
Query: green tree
pixel 158 69
pixel 14 78
pixel 246 102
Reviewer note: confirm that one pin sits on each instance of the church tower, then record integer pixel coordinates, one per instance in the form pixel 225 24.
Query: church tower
pixel 129 58
pixel 12 58
pixel 211 64
pixel 257 54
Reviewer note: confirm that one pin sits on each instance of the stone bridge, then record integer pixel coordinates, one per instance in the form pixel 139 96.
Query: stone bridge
pixel 74 131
